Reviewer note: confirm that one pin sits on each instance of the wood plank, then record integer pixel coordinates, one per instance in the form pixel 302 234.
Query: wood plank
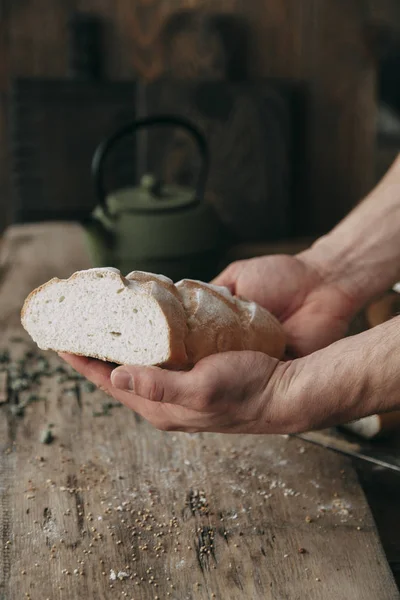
pixel 33 42
pixel 385 13
pixel 175 515
pixel 4 78
pixel 320 43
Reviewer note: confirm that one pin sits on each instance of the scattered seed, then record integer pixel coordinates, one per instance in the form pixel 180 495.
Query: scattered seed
pixel 46 436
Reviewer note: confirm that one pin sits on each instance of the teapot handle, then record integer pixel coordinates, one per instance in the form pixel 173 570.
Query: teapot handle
pixel 105 147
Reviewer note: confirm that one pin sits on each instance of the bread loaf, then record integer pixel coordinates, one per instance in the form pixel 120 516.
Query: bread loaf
pixel 146 319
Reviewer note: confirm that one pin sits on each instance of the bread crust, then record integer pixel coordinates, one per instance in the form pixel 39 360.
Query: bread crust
pixel 237 325
pixel 213 320
pixel 143 277
pixel 263 331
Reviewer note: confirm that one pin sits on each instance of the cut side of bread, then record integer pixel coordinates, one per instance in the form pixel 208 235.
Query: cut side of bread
pixel 100 314
pixel 146 319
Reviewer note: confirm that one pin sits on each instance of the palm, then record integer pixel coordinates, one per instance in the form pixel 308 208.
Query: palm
pixel 313 313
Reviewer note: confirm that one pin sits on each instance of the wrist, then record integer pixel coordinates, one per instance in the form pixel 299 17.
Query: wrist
pixel 361 273
pixel 361 255
pixel 330 260
pixel 351 379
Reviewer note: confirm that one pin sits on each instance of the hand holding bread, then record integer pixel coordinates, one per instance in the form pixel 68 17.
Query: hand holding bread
pixel 229 388
pixel 232 391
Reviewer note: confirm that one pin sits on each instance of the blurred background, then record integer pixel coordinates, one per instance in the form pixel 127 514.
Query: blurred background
pixel 298 101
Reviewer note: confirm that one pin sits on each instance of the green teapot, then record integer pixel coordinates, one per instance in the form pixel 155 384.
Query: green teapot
pixel 167 229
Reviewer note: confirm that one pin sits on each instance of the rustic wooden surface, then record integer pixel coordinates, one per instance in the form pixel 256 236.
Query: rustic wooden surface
pixel 171 515
pixel 320 43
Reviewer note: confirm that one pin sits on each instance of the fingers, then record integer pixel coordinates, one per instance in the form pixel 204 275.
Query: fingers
pixel 220 380
pixel 222 393
pixel 226 392
pixel 228 277
pixel 162 416
pixel 325 328
pixel 97 371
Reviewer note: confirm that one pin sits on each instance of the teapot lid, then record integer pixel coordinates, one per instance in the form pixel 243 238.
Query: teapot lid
pixel 151 196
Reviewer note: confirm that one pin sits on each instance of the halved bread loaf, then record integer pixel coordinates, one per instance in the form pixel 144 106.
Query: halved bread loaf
pixel 99 313
pixel 145 319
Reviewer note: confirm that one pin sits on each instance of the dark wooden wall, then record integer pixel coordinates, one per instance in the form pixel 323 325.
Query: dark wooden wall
pixel 319 42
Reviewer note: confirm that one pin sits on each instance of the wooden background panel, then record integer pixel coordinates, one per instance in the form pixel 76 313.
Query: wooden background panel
pixel 321 43
pixel 386 12
pixel 326 48
pixel 318 42
pixel 34 45
pixel 249 133
pixel 56 125
pixel 4 77
pixel 37 30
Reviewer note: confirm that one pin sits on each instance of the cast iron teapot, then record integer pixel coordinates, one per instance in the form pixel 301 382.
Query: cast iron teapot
pixel 166 229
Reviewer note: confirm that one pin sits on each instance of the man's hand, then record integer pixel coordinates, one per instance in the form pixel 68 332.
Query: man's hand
pixel 225 392
pixel 249 392
pixel 313 312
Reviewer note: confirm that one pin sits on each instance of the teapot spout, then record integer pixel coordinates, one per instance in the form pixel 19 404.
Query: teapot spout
pixel 100 237
pixel 102 219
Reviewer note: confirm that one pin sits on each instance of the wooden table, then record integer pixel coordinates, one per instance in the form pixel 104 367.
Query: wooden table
pixel 112 508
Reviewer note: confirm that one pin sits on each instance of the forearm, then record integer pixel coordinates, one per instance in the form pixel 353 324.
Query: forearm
pixel 353 378
pixel 362 253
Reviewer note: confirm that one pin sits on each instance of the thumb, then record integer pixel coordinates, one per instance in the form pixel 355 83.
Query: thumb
pixel 153 383
pixel 225 379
